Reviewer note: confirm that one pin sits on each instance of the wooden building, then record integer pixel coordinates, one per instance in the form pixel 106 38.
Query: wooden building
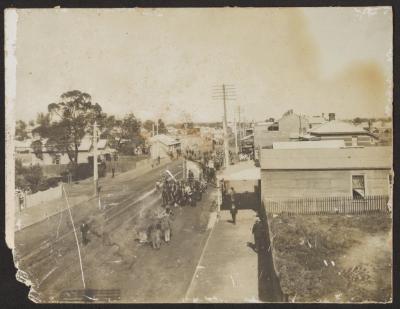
pixel 340 174
pixel 163 146
pixel 340 130
pixel 291 124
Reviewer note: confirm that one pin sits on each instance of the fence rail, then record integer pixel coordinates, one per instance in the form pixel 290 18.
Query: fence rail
pixel 328 205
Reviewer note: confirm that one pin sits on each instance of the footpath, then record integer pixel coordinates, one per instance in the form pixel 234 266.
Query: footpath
pixel 78 193
pixel 228 269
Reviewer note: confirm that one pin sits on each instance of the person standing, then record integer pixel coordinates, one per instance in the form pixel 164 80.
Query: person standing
pixel 166 228
pixel 256 230
pixel 234 210
pixel 84 233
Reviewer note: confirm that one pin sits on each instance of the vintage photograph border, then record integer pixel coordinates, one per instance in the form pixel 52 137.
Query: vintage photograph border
pixel 14 293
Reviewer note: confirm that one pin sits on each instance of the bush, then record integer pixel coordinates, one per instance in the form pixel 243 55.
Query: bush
pixel 33 175
pixel 53 181
pixel 32 178
pixel 43 186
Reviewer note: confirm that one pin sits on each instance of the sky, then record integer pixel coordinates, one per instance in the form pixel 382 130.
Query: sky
pixel 165 63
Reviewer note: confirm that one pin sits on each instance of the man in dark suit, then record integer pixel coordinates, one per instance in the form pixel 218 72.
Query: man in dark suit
pixel 234 210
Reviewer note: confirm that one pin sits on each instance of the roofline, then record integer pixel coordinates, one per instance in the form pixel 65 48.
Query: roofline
pixel 326 169
pixel 343 133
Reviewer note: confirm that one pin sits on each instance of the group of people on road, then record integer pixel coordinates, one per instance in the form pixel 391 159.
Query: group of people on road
pixel 160 229
pixel 183 192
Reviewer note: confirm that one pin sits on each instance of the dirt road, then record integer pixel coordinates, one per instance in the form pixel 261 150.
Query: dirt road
pixel 47 252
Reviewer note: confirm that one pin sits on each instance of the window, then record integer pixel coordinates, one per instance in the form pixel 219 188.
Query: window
pixel 56 159
pixel 274 127
pixel 354 141
pixel 358 186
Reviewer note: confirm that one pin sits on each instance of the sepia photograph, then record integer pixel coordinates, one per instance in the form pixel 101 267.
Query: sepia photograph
pixel 200 155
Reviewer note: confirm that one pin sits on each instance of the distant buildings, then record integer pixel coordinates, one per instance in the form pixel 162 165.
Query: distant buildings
pixel 384 130
pixel 340 130
pixel 163 146
pixel 293 127
pixel 247 141
pixel 316 121
pixel 44 156
pixel 290 126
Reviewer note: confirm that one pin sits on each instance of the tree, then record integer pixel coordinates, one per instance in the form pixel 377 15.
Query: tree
pixel 67 123
pixel 20 131
pixel 115 130
pixel 148 125
pixel 161 127
pixel 37 149
pixel 130 127
pixel 357 121
pixel 28 177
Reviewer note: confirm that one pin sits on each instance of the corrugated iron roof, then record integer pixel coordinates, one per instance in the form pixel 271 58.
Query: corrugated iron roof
pixel 316 120
pixel 164 139
pixel 86 144
pixel 337 127
pixel 241 171
pixel 327 158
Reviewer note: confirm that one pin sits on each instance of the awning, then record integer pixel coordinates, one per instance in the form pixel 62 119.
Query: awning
pixel 247 137
pixel 241 171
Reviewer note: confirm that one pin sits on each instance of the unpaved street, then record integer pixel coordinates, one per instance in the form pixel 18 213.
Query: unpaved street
pixel 134 271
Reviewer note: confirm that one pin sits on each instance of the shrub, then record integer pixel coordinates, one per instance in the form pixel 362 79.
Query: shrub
pixel 34 177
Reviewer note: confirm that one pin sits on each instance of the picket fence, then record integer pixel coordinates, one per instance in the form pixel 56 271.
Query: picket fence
pixel 328 205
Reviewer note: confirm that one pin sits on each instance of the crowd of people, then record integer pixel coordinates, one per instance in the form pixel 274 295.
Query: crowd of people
pixel 174 193
pixel 181 192
pixel 209 161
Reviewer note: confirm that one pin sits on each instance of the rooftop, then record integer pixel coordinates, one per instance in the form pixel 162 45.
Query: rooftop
pixel 338 127
pixel 86 144
pixel 164 139
pixel 316 120
pixel 241 171
pixel 327 158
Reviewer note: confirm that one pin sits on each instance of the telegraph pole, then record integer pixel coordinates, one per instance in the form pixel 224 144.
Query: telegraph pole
pixel 240 124
pixel 226 142
pixel 235 132
pixel 95 167
pixel 157 126
pixel 226 92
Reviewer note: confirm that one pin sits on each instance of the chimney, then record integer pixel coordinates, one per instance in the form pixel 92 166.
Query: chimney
pixel 331 116
pixel 323 115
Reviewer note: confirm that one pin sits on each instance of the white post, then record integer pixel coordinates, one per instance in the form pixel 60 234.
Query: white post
pixel 95 167
pixel 235 132
pixel 157 126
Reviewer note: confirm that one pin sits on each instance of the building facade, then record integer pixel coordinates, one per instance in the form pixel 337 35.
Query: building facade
pixel 343 172
pixel 289 126
pixel 340 130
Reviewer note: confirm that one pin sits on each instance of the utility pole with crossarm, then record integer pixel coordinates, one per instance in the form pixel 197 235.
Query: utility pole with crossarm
pixel 225 93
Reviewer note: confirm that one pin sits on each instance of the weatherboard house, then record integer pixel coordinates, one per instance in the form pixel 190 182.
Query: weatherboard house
pixel 162 146
pixel 340 173
pixel 340 130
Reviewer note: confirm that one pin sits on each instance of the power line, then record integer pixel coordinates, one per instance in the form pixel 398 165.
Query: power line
pixel 225 93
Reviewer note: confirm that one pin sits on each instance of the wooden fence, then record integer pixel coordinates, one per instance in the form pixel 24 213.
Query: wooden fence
pixel 327 205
